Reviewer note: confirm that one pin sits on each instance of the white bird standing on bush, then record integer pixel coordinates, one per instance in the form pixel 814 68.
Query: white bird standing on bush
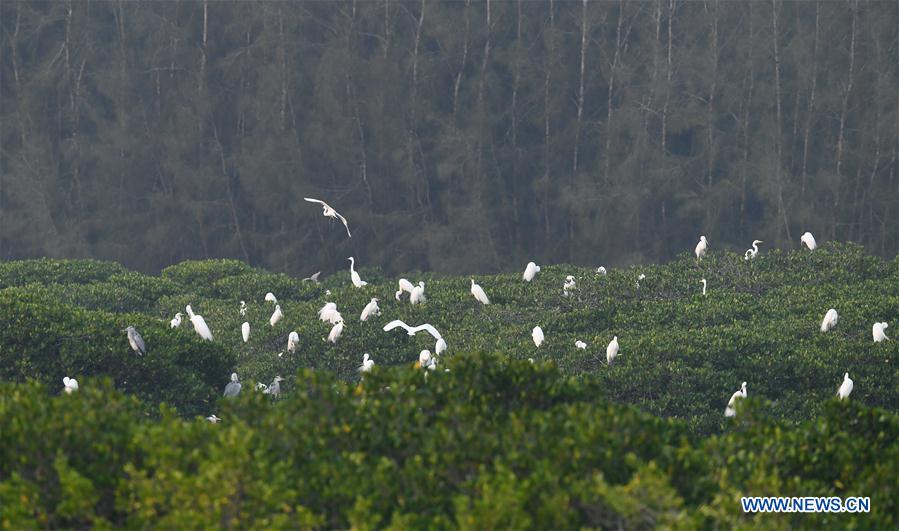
pixel 580 344
pixel 213 419
pixel 809 241
pixel 276 316
pixel 176 322
pixel 878 332
pixel 329 212
pixel 354 276
pixel 846 387
pixel 199 324
pixel 367 363
pixel 417 295
pixel 233 387
pixel 329 313
pixel 270 297
pixel 292 341
pixel 530 271
pixel 405 286
pixel 245 331
pixel 136 342
pixel 70 384
pixel 370 309
pixel 426 361
pixel 704 286
pixel 612 351
pixel 479 293
pixel 752 253
pixel 537 335
pixel 336 330
pixel 243 308
pixel 731 410
pixel 569 285
pixel 601 270
pixel 701 248
pixel 830 320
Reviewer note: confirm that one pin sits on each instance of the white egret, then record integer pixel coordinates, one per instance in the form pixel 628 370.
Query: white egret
pixel 537 335
pixel 580 344
pixel 878 332
pixel 704 286
pixel 276 316
pixel 176 322
pixel 530 271
pixel 845 387
pixel 336 330
pixel 413 330
pixel 701 247
pixel 354 276
pixel 641 277
pixel 199 323
pixel 243 308
pixel 293 340
pixel 233 387
pixel 426 361
pixel 261 387
pixel 601 270
pixel 275 388
pixel 830 320
pixel 367 363
pixel 809 241
pixel 569 285
pixel 404 285
pixel 329 313
pixel 136 342
pixel 313 278
pixel 245 331
pixel 752 253
pixel 440 347
pixel 213 419
pixel 417 294
pixel 327 211
pixel 270 297
pixel 70 384
pixel 478 293
pixel 370 309
pixel 612 351
pixel 731 410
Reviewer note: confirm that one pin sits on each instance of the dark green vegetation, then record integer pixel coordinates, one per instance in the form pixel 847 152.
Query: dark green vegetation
pixel 455 136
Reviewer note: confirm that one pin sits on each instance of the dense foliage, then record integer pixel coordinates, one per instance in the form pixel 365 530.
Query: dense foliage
pixel 455 136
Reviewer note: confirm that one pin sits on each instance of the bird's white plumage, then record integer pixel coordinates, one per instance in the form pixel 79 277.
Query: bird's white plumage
pixel 440 347
pixel 270 297
pixel 752 253
pixel 479 293
pixel 830 320
pixel 176 321
pixel 293 340
pixel 370 309
pixel 809 241
pixel 245 331
pixel 243 308
pixel 200 326
pixel 569 285
pixel 530 271
pixel 537 335
pixel 701 247
pixel 612 351
pixel 878 331
pixel 367 363
pixel 329 313
pixel 704 286
pixel 601 270
pixel 412 330
pixel 731 408
pixel 354 276
pixel 417 295
pixel 580 344
pixel 277 315
pixel 213 419
pixel 336 330
pixel 404 286
pixel 70 384
pixel 846 387
pixel 329 212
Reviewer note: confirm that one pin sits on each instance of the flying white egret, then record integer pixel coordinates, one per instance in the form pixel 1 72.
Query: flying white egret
pixel 276 316
pixel 336 330
pixel 176 322
pixel 878 331
pixel 580 344
pixel 233 387
pixel 440 347
pixel 199 323
pixel 243 308
pixel 354 276
pixel 612 351
pixel 731 409
pixel 292 341
pixel 809 241
pixel 530 271
pixel 478 293
pixel 327 211
pixel 213 418
pixel 404 285
pixel 313 278
pixel 245 331
pixel 270 297
pixel 413 330
pixel 569 285
pixel 275 388
pixel 136 342
pixel 704 286
pixel 830 320
pixel 370 309
pixel 845 387
pixel 367 363
pixel 701 247
pixel 329 313
pixel 70 384
pixel 537 335
pixel 601 270
pixel 752 253
pixel 417 295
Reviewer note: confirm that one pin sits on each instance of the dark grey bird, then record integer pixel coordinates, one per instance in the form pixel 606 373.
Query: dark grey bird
pixel 136 342
pixel 233 387
pixel 275 388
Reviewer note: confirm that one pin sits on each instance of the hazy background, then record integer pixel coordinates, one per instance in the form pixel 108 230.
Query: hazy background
pixel 454 136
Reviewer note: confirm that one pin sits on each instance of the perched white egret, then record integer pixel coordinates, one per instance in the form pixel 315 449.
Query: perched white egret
pixel 270 297
pixel 245 331
pixel 70 384
pixel 878 331
pixel 537 335
pixel 370 309
pixel 329 313
pixel 601 270
pixel 530 271
pixel 233 387
pixel 293 340
pixel 243 308
pixel 752 253
pixel 412 330
pixel 136 342
pixel 612 351
pixel 731 409
pixel 580 344
pixel 329 212
pixel 213 419
pixel 701 247
pixel 275 388
pixel 478 293
pixel 261 387
pixel 199 323
pixel 830 320
pixel 704 286
pixel 405 286
pixel 367 363
pixel 276 316
pixel 440 347
pixel 809 241
pixel 845 387
pixel 354 276
pixel 569 285
pixel 336 330
pixel 426 361
pixel 417 295
pixel 313 278
pixel 176 322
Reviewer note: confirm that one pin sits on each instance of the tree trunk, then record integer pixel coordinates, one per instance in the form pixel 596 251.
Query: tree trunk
pixel 580 92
